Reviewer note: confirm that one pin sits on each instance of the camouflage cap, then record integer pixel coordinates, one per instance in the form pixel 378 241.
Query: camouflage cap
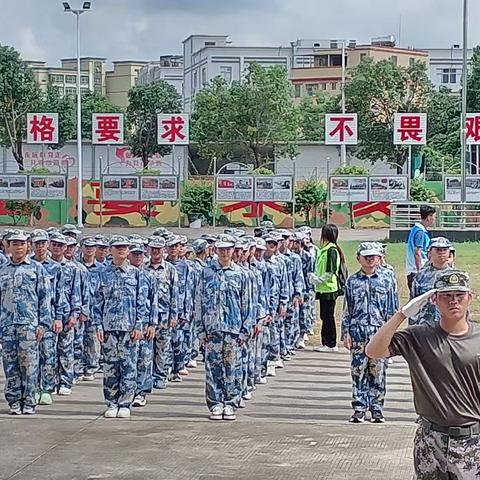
pixel 440 242
pixel 160 232
pixel 261 244
pixel 70 241
pixel 137 248
pixel 102 241
pixel 367 249
pixel 69 228
pixel 200 245
pixel 119 241
pixel 209 237
pixel 156 242
pixel 452 281
pixel 183 239
pixel 225 241
pixel 173 240
pixel 39 236
pixel 88 242
pixel 267 224
pixel 58 238
pixel 19 235
pixel 305 229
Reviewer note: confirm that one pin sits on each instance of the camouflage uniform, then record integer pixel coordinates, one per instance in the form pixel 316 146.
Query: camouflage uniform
pixel 369 302
pixel 120 308
pixel 25 305
pixel 224 319
pixel 422 283
pixel 307 310
pixel 166 287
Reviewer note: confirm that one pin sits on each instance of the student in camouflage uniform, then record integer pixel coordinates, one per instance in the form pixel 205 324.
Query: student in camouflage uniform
pixel 25 315
pixel 225 326
pixel 369 302
pixel 438 263
pixel 443 358
pixel 119 316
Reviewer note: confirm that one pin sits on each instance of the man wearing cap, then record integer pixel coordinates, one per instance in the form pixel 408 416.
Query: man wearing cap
pixel 68 309
pixel 119 316
pixel 444 364
pixel 211 239
pixel 136 258
pixel 370 300
pixel 70 230
pixel 102 249
pixel 25 315
pixel 176 246
pixel 438 263
pixel 166 286
pixel 225 325
pixel 89 364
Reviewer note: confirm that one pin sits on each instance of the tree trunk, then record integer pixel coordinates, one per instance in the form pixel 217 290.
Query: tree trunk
pixel 145 160
pixel 17 152
pixel 258 157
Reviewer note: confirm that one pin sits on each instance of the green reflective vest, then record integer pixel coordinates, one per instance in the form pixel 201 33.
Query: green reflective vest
pixel 331 285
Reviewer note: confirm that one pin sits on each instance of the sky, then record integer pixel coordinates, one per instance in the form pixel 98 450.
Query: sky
pixel 146 29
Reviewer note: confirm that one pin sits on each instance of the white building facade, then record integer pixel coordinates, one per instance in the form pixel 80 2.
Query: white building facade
pixel 169 68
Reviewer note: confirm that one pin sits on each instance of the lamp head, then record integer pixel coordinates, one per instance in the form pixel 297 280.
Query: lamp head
pixel 66 6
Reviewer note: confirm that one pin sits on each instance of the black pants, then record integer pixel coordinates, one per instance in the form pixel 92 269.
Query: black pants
pixel 410 278
pixel 329 329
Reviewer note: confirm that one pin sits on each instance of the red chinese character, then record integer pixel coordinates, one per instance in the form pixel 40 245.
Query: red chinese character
pixel 173 129
pixel 43 127
pixel 473 128
pixel 342 127
pixel 108 128
pixel 410 128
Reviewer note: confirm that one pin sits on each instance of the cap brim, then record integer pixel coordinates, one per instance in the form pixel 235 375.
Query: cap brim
pixel 370 253
pixel 224 244
pixel 453 288
pixel 18 238
pixel 120 245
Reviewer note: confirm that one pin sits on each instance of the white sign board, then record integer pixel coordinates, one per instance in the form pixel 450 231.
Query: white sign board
pixel 231 189
pixel 341 129
pixel 388 188
pixel 47 187
pixel 13 187
pixel 348 189
pixel 173 129
pixel 163 188
pixel 472 128
pixel 107 129
pixel 120 187
pixel 273 189
pixel 42 128
pixel 410 129
pixel 452 188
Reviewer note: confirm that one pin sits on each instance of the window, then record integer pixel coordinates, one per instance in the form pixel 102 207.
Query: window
pixel 70 79
pixel 84 80
pixel 333 44
pixel 298 91
pixel 195 80
pixel 411 61
pixel 363 56
pixel 394 59
pixel 311 89
pixel 70 91
pixel 335 60
pixel 321 61
pixel 449 75
pixel 204 76
pixel 56 78
pixel 209 44
pixel 324 86
pixel 226 73
pixel 334 85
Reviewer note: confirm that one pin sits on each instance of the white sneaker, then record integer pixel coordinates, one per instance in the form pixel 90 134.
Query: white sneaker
pixel 241 403
pixel 123 412
pixel 271 369
pixel 192 364
pixel 305 337
pixel 229 413
pixel 29 410
pixel 89 377
pixel 390 361
pixel 334 349
pixel 263 380
pixel 216 413
pixel 248 396
pixel 325 349
pixel 301 344
pixel 279 364
pixel 15 409
pixel 64 391
pixel 140 401
pixel 111 412
pixel 184 372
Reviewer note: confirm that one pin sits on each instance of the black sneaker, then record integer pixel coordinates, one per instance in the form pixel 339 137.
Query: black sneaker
pixel 357 417
pixel 377 417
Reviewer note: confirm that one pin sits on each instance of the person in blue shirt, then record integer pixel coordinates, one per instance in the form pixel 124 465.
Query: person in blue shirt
pixel 418 242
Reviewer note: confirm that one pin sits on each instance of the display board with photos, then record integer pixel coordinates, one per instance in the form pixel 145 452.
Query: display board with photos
pixel 140 188
pixel 452 188
pixel 235 188
pixel 274 188
pixel 375 188
pixel 33 187
pixel 14 187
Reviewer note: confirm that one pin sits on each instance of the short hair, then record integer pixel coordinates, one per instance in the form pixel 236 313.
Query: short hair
pixel 426 210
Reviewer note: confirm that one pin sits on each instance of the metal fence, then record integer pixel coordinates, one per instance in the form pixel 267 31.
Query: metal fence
pixel 450 216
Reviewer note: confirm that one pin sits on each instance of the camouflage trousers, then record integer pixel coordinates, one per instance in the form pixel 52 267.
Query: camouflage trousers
pixel 262 342
pixel 91 349
pixel 292 327
pixel 47 362
pixel 368 379
pixel 65 358
pixel 180 340
pixel 307 313
pixel 223 383
pixel 243 364
pixel 162 354
pixel 275 332
pixel 20 364
pixel 439 457
pixel 79 331
pixel 119 369
pixel 144 367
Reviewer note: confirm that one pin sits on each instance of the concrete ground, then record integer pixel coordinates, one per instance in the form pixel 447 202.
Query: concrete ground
pixel 296 427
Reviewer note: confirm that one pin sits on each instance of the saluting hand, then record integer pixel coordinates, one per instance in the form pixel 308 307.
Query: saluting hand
pixel 415 305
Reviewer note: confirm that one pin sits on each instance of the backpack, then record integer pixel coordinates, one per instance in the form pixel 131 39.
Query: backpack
pixel 342 276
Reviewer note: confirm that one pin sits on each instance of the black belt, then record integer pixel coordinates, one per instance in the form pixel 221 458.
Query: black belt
pixel 453 432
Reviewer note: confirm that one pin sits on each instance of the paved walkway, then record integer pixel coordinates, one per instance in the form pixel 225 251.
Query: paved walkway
pixel 294 428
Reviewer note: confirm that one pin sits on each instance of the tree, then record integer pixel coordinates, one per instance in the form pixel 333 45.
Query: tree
pixel 310 196
pixel 94 103
pixel 473 83
pixel 145 102
pixel 19 94
pixel 257 113
pixel 376 92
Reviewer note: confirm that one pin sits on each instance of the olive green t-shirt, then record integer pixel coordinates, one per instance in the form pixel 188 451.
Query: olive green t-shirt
pixel 445 372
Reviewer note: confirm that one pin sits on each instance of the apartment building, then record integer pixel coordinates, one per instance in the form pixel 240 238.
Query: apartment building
pixel 168 68
pixel 121 79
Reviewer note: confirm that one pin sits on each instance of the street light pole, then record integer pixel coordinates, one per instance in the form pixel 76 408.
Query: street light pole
pixel 77 13
pixel 463 159
pixel 343 147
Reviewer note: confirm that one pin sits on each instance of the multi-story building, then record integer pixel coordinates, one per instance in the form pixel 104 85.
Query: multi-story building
pixel 446 66
pixel 169 68
pixel 322 70
pixel 121 79
pixel 208 56
pixel 64 78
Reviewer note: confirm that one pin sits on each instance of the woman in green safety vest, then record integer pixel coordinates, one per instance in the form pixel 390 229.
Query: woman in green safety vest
pixel 325 280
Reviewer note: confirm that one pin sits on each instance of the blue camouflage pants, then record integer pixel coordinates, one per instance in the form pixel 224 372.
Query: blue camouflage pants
pixel 47 362
pixel 242 365
pixel 91 349
pixel 65 358
pixel 120 369
pixel 275 327
pixel 78 349
pixel 179 347
pixel 261 346
pixel 144 367
pixel 162 354
pixel 292 328
pixel 223 383
pixel 20 364
pixel 368 376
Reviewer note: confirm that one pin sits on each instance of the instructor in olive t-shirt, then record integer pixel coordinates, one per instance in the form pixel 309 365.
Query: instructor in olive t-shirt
pixel 444 361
